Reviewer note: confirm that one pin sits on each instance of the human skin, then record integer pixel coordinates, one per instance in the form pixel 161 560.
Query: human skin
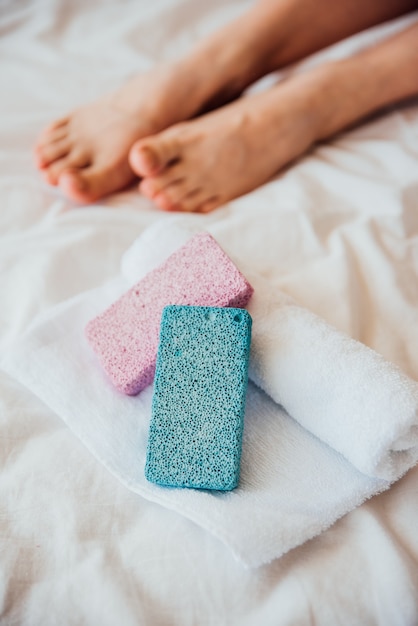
pixel 87 152
pixel 202 164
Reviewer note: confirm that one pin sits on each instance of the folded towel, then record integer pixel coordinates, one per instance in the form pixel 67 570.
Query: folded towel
pixel 350 428
pixel 341 391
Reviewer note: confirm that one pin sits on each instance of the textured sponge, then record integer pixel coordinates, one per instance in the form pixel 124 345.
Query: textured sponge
pixel 196 427
pixel 125 336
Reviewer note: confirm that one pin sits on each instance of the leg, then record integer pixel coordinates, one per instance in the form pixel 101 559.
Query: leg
pixel 201 164
pixel 86 153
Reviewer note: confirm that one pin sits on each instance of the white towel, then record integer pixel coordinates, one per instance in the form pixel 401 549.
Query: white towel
pixel 351 432
pixel 341 391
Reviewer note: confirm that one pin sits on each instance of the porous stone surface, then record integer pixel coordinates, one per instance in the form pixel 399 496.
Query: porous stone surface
pixel 195 435
pixel 125 336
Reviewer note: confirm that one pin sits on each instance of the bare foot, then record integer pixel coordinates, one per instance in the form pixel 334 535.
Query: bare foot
pixel 86 153
pixel 201 164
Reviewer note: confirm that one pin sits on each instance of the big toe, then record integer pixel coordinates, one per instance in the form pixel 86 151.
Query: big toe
pixel 150 156
pixel 94 182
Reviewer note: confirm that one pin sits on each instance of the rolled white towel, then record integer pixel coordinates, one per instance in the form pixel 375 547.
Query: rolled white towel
pixel 343 392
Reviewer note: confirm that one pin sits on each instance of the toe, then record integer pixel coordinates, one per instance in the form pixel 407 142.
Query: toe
pixel 191 202
pixel 74 183
pixel 164 203
pixel 74 160
pixel 150 187
pixel 179 197
pixel 59 123
pixel 150 156
pixel 154 185
pixel 209 205
pixel 50 152
pixel 52 173
pixel 47 137
pixel 197 201
pixel 95 181
pixel 171 198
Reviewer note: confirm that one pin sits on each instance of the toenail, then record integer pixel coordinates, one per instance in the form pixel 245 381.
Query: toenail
pixel 75 181
pixel 151 158
pixel 146 189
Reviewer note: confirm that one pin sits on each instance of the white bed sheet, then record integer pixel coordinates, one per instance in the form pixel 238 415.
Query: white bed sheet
pixel 339 232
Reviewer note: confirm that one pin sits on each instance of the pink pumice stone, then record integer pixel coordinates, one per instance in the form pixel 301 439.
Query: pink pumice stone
pixel 125 336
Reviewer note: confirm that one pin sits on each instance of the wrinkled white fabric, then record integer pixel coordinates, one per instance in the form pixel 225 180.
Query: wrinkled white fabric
pixel 338 232
pixel 292 485
pixel 338 389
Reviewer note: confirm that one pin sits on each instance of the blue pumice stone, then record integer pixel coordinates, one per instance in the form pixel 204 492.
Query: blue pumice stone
pixel 195 434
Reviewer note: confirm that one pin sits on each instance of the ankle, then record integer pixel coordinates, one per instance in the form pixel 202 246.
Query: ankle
pixel 239 54
pixel 347 91
pixel 331 106
pixel 331 98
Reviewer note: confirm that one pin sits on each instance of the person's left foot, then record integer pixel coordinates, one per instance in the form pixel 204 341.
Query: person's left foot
pixel 86 153
pixel 203 163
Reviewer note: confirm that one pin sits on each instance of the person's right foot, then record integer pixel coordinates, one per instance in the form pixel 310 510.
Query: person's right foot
pixel 203 163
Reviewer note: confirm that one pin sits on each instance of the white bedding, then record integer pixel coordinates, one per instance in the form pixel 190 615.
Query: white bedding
pixel 338 232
